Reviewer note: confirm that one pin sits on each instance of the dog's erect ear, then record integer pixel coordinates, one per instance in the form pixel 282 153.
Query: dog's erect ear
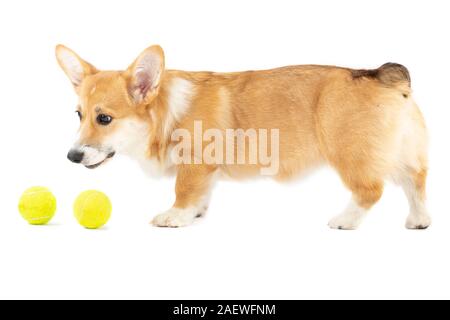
pixel 74 67
pixel 145 74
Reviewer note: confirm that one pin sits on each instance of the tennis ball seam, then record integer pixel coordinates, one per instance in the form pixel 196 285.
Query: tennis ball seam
pixel 39 218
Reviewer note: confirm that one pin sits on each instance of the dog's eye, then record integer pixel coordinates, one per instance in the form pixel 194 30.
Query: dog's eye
pixel 104 119
pixel 79 114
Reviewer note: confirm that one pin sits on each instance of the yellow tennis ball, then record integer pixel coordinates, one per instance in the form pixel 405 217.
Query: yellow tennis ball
pixel 92 209
pixel 37 205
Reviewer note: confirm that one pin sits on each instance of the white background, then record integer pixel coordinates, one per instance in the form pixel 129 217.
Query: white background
pixel 260 239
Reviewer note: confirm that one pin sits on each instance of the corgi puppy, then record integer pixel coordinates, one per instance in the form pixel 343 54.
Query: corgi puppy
pixel 363 123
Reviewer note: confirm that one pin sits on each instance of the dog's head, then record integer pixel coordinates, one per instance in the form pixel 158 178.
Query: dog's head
pixel 113 105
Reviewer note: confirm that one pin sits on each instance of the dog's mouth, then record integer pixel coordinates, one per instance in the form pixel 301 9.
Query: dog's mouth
pixel 93 166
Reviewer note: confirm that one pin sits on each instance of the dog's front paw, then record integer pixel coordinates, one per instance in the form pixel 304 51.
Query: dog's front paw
pixel 175 218
pixel 350 219
pixel 346 221
pixel 343 222
pixel 418 221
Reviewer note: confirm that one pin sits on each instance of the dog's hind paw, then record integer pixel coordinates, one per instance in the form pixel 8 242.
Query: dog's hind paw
pixel 418 221
pixel 175 218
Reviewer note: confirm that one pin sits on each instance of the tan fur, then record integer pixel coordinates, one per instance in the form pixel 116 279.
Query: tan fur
pixel 352 120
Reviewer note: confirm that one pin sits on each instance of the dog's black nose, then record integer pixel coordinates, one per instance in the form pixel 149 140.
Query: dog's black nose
pixel 75 156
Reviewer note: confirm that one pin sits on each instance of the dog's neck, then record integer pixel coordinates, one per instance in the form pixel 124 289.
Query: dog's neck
pixel 166 112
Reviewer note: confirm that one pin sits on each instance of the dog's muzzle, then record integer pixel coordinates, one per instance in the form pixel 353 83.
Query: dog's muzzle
pixel 93 166
pixel 86 157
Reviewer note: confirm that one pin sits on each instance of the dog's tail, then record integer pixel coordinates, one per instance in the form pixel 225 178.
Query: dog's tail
pixel 390 75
